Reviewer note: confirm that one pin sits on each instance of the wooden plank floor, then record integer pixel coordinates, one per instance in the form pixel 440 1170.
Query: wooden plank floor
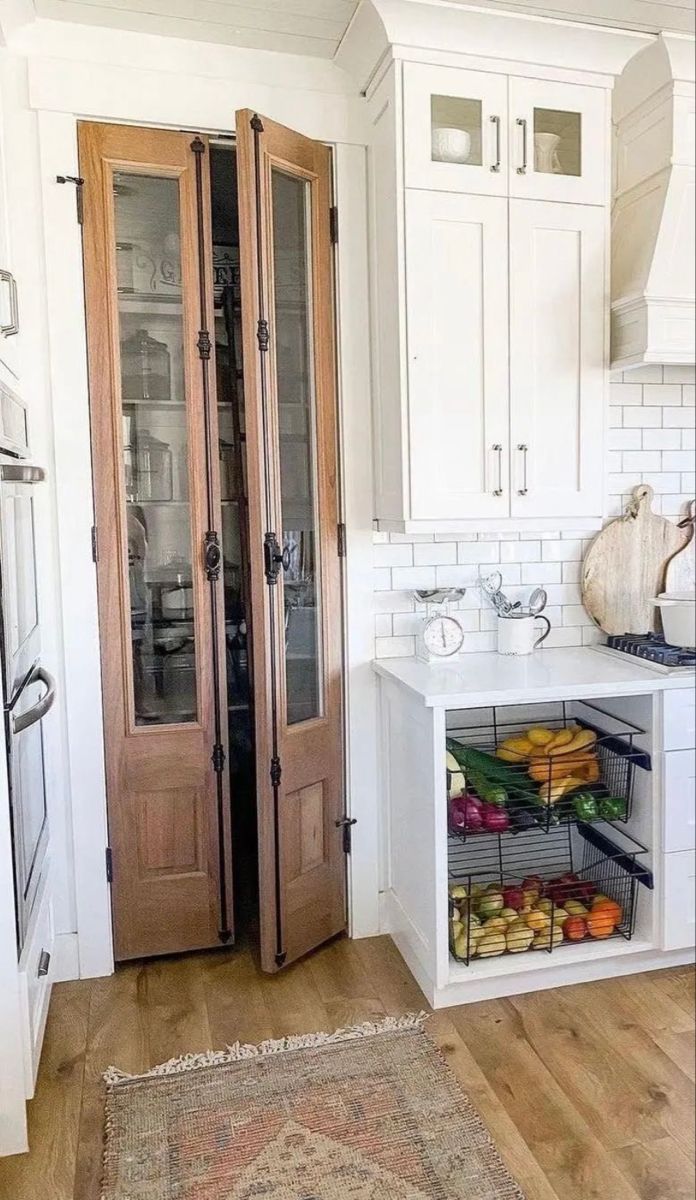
pixel 588 1090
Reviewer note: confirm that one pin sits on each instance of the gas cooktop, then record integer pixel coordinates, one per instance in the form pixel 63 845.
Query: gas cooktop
pixel 653 651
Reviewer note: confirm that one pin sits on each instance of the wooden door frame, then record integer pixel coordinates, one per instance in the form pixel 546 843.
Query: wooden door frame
pixel 79 851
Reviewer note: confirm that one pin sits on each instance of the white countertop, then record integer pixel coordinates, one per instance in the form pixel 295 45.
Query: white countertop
pixel 479 680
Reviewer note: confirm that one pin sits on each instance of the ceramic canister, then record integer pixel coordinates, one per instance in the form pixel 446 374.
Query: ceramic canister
pixel 522 635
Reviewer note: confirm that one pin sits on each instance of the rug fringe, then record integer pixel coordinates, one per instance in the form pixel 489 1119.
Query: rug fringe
pixel 299 1041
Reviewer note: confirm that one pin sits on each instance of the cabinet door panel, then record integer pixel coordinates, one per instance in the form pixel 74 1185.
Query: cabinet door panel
pixel 679 788
pixel 457 298
pixel 456 129
pixel 557 358
pixel 679 900
pixel 558 141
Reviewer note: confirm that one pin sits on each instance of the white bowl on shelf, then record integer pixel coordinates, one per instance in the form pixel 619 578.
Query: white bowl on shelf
pixel 678 612
pixel 450 144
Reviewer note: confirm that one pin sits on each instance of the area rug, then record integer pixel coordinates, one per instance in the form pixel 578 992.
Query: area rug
pixel 370 1113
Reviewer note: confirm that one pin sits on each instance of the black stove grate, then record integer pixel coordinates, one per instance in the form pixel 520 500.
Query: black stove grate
pixel 653 647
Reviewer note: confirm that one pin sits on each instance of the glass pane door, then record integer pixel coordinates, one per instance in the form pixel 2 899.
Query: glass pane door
pixel 296 400
pixel 559 135
pixel 155 448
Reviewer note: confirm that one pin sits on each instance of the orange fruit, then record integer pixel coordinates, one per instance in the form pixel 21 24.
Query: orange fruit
pixel 600 924
pixel 611 908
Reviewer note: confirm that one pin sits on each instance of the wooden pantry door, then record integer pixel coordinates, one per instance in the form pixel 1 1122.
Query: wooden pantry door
pixel 290 394
pixel 149 309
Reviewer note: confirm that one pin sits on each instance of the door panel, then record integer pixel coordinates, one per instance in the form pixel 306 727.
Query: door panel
pixel 558 141
pixel 156 496
pixel 457 299
pixel 557 358
pixel 284 202
pixel 457 129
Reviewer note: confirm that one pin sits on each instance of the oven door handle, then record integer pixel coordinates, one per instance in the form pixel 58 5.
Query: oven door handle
pixel 42 706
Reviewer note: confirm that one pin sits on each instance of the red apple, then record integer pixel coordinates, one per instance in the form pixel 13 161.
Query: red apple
pixel 513 897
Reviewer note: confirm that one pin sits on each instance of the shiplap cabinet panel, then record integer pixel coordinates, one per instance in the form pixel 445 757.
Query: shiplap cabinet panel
pixel 557 358
pixel 457 294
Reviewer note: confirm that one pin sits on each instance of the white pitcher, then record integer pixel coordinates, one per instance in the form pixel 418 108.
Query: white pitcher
pixel 546 157
pixel 520 635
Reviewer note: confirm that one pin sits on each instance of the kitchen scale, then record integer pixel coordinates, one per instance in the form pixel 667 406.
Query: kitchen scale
pixel 653 652
pixel 441 636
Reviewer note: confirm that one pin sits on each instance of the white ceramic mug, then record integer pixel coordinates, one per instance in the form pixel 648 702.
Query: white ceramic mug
pixel 451 144
pixel 520 635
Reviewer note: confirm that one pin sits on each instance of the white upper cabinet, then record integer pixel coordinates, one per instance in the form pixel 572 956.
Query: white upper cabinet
pixel 457 299
pixel 557 358
pixel 558 141
pixel 455 129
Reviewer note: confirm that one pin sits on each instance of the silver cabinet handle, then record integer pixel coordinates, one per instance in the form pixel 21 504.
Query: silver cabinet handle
pixel 522 170
pixel 42 706
pixel 13 326
pixel 496 125
pixel 524 450
pixel 499 451
pixel 44 964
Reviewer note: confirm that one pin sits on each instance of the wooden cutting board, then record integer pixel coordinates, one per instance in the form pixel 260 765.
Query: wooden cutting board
pixel 624 569
pixel 681 569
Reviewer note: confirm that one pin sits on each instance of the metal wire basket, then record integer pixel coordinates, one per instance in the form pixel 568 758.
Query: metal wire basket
pixel 533 791
pixel 568 865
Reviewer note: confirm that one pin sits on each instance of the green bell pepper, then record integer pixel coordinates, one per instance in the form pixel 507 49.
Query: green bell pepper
pixel 585 806
pixel 612 808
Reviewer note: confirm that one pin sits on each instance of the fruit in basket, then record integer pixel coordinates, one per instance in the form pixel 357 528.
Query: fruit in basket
pixel 545 770
pixel 600 923
pixel 538 920
pixel 490 904
pixel 455 776
pixel 545 905
pixel 495 820
pixel 518 937
pixel 458 891
pixel 515 749
pixel 509 915
pixel 582 739
pixel 539 735
pixel 610 907
pixel 496 924
pixel 575 907
pixel 560 915
pixel 491 944
pixel 612 808
pixel 574 929
pixel 513 897
pixel 548 938
pixel 562 737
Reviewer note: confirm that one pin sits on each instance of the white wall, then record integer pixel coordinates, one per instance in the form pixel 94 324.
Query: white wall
pixel 651 440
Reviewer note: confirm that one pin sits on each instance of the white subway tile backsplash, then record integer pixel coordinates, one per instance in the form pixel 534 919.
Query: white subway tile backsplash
pixel 540 573
pixel 625 439
pixel 391 555
pixel 651 440
pixel 518 552
pixel 478 552
pixel 661 439
pixel 434 554
pixel 643 418
pixel 662 393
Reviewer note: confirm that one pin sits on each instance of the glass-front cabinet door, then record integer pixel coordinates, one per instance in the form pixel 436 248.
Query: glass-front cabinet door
pixel 558 141
pixel 455 129
pixel 156 487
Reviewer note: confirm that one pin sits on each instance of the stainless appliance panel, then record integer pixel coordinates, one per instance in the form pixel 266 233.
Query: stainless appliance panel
pixel 18 587
pixel 28 788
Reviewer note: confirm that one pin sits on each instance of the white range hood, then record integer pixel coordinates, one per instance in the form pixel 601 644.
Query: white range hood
pixel 653 246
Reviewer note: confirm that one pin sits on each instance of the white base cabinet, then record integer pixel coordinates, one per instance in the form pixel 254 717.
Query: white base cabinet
pixel 36 980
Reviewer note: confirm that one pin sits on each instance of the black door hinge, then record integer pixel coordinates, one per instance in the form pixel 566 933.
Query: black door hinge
pixel 109 865
pixel 263 335
pixel 345 824
pixel 274 558
pixel 280 959
pixel 333 225
pixel 276 771
pixel 218 758
pixel 341 540
pixel 79 185
pixel 95 545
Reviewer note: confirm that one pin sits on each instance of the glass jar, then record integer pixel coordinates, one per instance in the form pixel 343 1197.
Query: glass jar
pixel 152 468
pixel 145 368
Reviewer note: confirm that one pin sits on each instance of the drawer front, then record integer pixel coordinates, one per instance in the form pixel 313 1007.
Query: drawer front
pixel 679 789
pixel 35 980
pixel 679 900
pixel 680 719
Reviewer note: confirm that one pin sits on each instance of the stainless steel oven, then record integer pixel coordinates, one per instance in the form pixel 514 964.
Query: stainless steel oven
pixel 28 688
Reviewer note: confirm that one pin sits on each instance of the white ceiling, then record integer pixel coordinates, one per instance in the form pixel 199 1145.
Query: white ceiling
pixel 316 26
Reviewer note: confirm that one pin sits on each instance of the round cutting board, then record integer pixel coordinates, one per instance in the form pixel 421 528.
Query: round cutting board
pixel 624 569
pixel 681 568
